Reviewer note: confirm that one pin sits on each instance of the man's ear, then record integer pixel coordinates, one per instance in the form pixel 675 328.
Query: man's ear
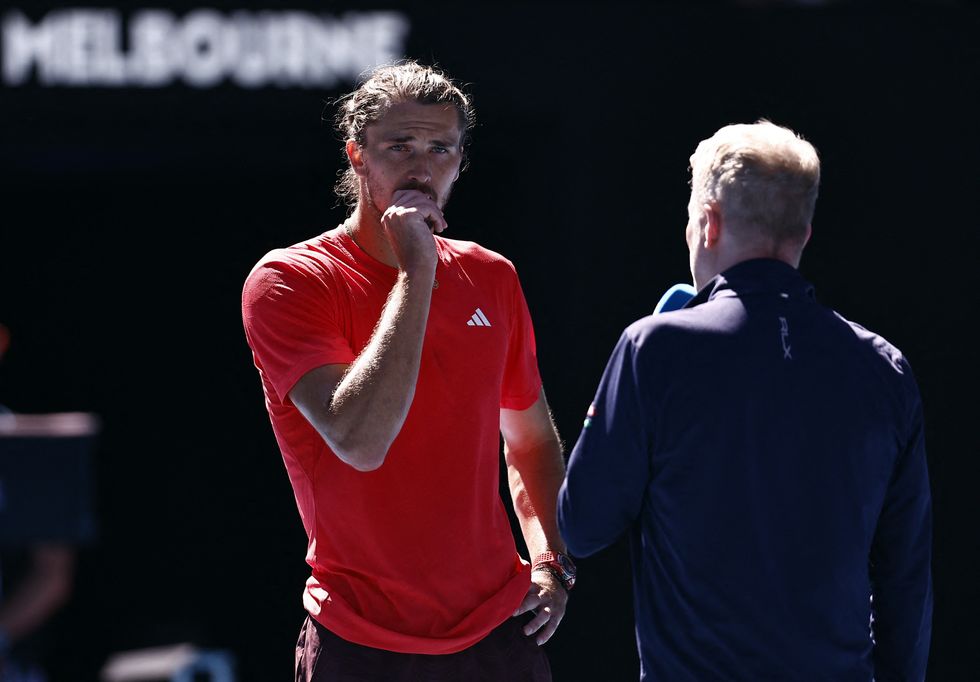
pixel 711 225
pixel 355 154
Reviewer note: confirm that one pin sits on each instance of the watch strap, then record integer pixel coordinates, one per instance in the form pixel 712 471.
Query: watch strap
pixel 559 565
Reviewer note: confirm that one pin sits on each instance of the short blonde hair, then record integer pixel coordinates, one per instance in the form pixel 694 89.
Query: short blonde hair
pixel 764 178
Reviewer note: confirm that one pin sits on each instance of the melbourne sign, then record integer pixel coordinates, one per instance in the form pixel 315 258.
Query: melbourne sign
pixel 202 48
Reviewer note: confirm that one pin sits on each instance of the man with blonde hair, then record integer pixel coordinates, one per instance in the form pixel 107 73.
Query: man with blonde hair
pixel 765 454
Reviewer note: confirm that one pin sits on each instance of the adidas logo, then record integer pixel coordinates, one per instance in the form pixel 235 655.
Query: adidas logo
pixel 478 320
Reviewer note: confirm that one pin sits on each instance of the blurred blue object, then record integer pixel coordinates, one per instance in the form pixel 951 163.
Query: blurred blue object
pixel 675 298
pixel 47 487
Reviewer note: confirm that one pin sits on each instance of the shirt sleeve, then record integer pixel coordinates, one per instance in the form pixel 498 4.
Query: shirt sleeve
pixel 609 468
pixel 900 567
pixel 292 323
pixel 521 384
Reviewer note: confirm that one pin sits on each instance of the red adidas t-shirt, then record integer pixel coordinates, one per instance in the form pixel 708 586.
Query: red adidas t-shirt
pixel 417 556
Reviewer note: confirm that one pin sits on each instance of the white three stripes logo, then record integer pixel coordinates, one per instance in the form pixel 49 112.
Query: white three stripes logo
pixel 478 320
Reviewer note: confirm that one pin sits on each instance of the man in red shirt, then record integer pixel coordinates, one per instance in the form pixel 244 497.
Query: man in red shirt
pixel 392 359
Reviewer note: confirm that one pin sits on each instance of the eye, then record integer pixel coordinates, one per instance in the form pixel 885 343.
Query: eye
pixel 399 147
pixel 440 149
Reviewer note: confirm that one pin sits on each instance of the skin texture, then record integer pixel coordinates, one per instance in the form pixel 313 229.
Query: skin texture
pixel 406 169
pixel 535 470
pixel 714 245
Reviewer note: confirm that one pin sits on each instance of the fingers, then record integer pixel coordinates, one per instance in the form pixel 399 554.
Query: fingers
pixel 408 197
pixel 550 626
pixel 545 622
pixel 409 224
pixel 531 601
pixel 412 201
pixel 540 618
pixel 548 606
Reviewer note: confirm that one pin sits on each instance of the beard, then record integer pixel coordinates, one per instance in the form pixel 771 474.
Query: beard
pixel 377 207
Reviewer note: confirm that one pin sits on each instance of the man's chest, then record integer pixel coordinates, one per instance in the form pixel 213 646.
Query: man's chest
pixel 468 327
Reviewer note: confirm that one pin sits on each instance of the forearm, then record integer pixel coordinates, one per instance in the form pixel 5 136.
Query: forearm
pixel 535 475
pixel 369 405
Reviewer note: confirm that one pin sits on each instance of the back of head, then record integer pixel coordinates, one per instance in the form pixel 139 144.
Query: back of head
pixel 763 177
pixel 387 85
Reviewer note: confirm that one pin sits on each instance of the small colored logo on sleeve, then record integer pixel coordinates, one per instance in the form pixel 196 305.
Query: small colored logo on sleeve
pixel 590 413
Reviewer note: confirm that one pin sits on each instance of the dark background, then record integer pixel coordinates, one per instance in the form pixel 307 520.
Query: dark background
pixel 130 219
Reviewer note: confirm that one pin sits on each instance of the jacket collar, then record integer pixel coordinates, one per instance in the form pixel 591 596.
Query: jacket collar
pixel 755 276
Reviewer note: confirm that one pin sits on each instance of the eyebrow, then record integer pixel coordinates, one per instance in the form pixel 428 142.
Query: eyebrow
pixel 402 137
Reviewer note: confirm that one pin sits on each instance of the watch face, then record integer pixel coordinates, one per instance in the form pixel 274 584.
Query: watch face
pixel 566 565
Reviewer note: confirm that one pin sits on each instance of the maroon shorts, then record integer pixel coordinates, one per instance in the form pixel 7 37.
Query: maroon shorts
pixel 504 655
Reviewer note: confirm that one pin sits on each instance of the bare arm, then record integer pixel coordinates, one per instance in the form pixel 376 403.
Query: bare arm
pixel 359 409
pixel 535 470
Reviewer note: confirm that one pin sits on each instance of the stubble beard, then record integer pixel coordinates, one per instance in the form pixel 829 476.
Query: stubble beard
pixel 377 210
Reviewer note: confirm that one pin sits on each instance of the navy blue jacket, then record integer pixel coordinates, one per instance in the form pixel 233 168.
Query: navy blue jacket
pixel 766 457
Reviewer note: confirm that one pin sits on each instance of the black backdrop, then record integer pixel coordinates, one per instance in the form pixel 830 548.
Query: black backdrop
pixel 131 217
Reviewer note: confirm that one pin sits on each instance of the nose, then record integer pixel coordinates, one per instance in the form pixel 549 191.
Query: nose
pixel 420 171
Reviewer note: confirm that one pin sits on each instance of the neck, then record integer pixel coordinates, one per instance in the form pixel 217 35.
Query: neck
pixel 364 226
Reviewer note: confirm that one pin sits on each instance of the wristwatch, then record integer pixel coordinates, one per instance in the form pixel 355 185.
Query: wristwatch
pixel 559 565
